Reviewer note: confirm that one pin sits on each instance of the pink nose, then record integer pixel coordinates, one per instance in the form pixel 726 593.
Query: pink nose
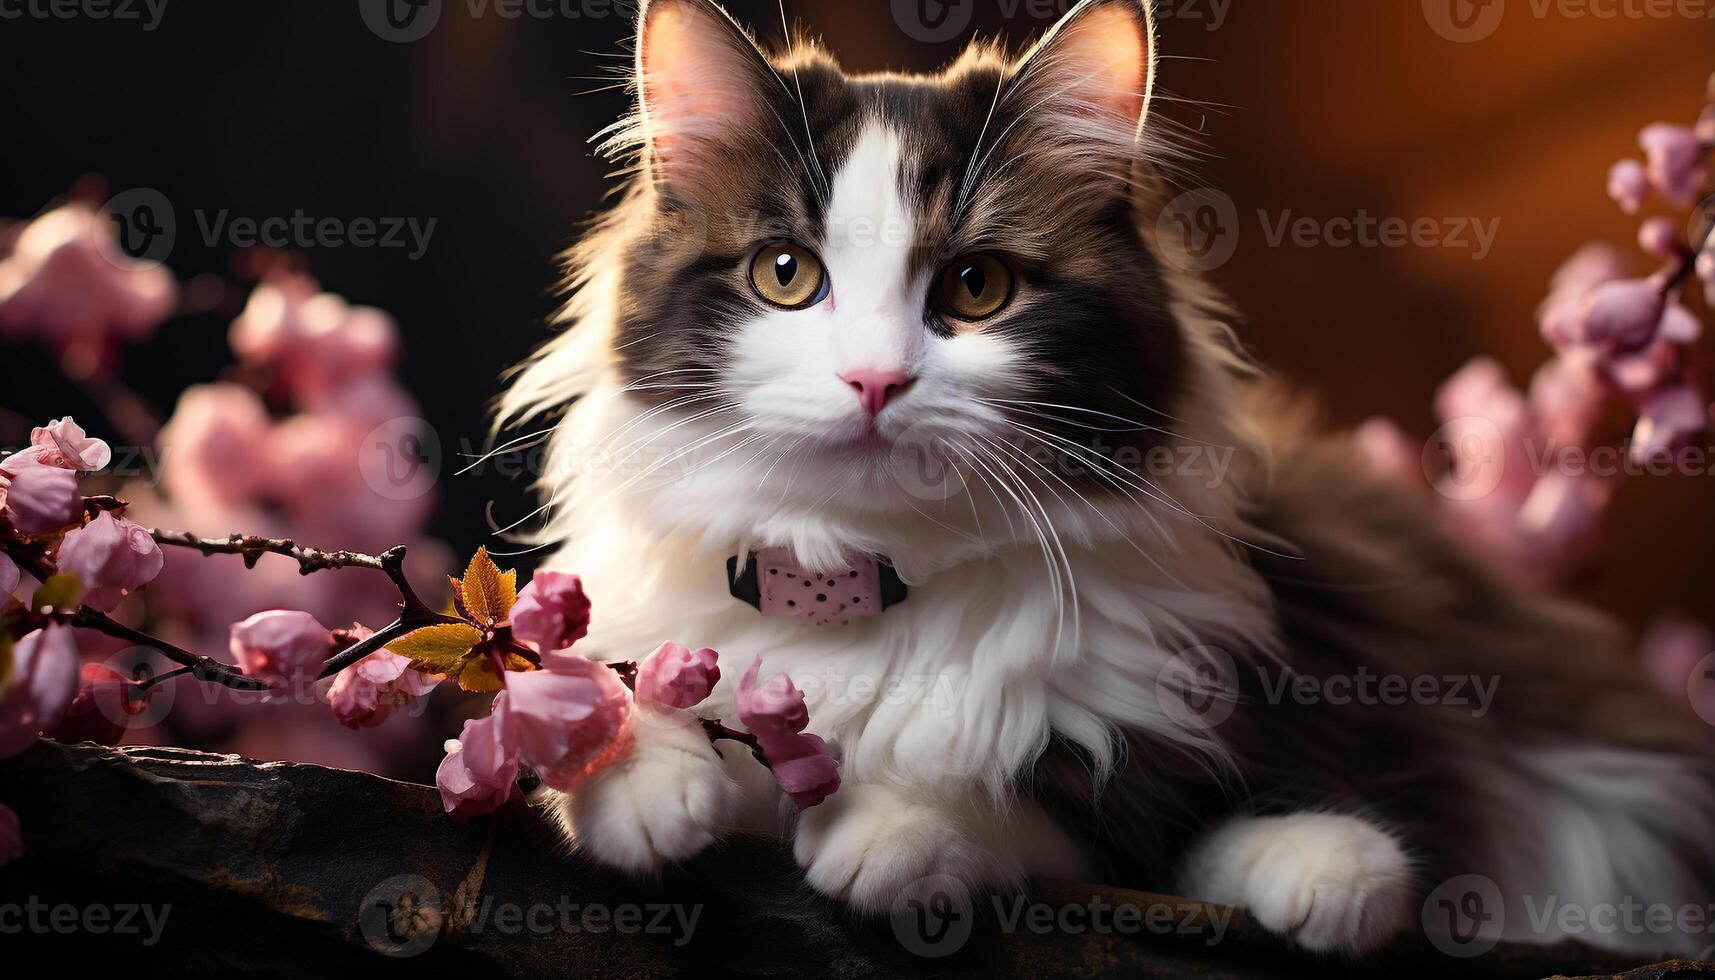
pixel 876 387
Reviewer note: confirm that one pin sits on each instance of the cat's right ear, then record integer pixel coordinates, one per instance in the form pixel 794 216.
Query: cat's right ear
pixel 700 80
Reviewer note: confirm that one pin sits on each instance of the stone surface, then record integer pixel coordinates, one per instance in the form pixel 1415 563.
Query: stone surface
pixel 292 870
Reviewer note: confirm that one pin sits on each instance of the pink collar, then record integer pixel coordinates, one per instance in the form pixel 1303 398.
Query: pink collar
pixel 778 586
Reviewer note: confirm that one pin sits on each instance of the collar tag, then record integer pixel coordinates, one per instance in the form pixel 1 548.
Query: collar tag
pixel 778 587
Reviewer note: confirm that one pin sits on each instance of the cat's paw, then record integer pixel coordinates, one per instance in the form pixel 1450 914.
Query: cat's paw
pixel 665 801
pixel 1330 883
pixel 873 846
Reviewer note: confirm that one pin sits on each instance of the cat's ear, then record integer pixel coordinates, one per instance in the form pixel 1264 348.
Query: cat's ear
pixel 700 80
pixel 1095 71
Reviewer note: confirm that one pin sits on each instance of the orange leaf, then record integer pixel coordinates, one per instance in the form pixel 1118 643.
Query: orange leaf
pixel 487 591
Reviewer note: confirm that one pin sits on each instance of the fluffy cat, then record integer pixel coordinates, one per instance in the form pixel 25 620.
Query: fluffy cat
pixel 924 319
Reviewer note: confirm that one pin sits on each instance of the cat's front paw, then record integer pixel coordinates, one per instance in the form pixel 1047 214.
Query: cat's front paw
pixel 873 846
pixel 1330 883
pixel 665 801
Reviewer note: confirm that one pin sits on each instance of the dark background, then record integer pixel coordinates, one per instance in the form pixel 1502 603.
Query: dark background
pixel 1320 107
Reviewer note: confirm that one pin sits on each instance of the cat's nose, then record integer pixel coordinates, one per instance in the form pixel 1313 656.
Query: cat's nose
pixel 876 387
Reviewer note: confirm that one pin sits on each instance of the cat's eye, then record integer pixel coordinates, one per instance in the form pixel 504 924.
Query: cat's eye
pixel 789 276
pixel 974 287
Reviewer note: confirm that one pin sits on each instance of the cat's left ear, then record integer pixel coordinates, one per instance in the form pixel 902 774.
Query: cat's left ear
pixel 701 80
pixel 1095 71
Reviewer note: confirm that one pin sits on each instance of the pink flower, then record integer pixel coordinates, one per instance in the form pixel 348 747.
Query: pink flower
pixel 332 472
pixel 552 612
pixel 1659 236
pixel 1671 649
pixel 111 558
pixel 213 448
pixel 775 713
pixel 11 838
pixel 280 645
pixel 1589 267
pixel 63 443
pixel 1628 182
pixel 314 341
pixel 364 694
pixel 479 773
pixel 1565 401
pixel 68 284
pixel 42 684
pixel 1675 161
pixel 9 576
pixel 1560 521
pixel 567 721
pixel 1667 420
pixel 1622 314
pixel 1484 424
pixel 40 499
pixel 677 676
pixel 101 712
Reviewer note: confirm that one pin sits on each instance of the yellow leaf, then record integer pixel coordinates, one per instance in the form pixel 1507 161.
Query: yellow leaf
pixel 478 676
pixel 59 591
pixel 487 591
pixel 437 649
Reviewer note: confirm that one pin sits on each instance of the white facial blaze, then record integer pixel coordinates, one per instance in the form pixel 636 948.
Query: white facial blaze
pixel 867 248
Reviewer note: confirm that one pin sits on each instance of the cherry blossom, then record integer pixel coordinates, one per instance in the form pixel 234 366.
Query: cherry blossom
pixel 280 645
pixel 106 701
pixel 1671 650
pixel 364 694
pixel 1622 314
pixel 315 342
pixel 1675 161
pixel 677 676
pixel 42 684
pixel 213 448
pixel 9 575
pixel 552 612
pixel 111 557
pixel 566 721
pixel 1667 420
pixel 1628 182
pixel 480 771
pixel 40 499
pixel 68 284
pixel 1660 237
pixel 64 444
pixel 775 713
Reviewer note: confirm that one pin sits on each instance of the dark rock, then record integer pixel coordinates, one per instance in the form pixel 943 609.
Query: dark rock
pixel 300 871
